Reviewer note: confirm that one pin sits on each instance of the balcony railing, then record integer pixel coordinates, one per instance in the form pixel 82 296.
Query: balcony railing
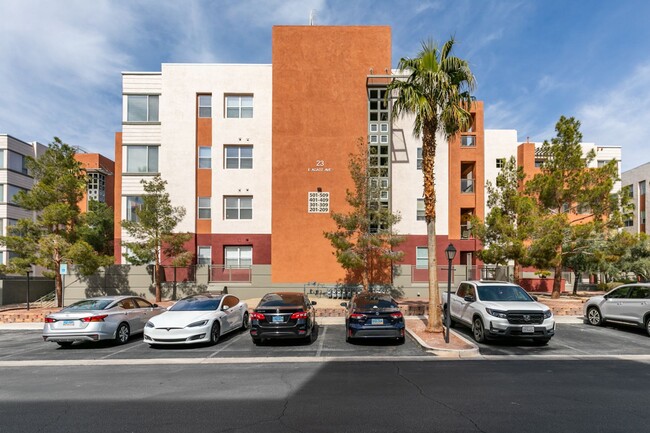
pixel 467 186
pixel 468 140
pixel 465 231
pixel 230 274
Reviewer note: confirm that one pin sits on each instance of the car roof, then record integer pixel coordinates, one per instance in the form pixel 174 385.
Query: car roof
pixel 285 293
pixel 205 296
pixel 111 297
pixel 488 283
pixel 372 295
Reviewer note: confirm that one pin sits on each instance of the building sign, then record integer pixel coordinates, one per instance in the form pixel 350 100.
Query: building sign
pixel 320 167
pixel 319 202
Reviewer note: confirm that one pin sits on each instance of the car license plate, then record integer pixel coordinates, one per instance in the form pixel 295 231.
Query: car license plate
pixel 68 323
pixel 277 319
pixel 376 321
pixel 527 329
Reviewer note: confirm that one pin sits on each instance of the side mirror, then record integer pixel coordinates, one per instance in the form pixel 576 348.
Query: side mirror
pixel 535 298
pixel 225 308
pixel 155 305
pixel 313 302
pixel 469 298
pixel 344 304
pixel 606 296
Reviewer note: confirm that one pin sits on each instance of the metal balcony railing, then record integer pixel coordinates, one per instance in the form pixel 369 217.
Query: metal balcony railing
pixel 230 274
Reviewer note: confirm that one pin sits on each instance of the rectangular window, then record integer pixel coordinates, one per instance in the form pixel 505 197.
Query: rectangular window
pixel 238 256
pixel 630 190
pixel 601 163
pixel 142 108
pixel 97 187
pixel 501 162
pixel 420 210
pixel 2 158
pixel 12 191
pixel 642 217
pixel 132 203
pixel 205 157
pixel 642 187
pixel 204 256
pixel 468 140
pixel 539 162
pixel 421 257
pixel 205 105
pixel 17 162
pixel 239 106
pixel 205 211
pixel 628 222
pixel 239 157
pixel 141 159
pixel 239 208
pixel 419 159
pixel 2 192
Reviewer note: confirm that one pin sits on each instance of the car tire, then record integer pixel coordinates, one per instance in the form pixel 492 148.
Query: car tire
pixel 541 341
pixel 245 323
pixel 257 341
pixel 64 344
pixel 215 332
pixel 647 325
pixel 452 323
pixel 401 340
pixel 594 317
pixel 123 333
pixel 478 331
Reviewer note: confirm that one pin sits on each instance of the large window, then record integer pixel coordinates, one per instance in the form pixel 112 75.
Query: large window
pixel 132 203
pixel 421 257
pixel 2 158
pixel 239 106
pixel 141 159
pixel 204 255
pixel 642 187
pixel 97 186
pixel 205 157
pixel 17 162
pixel 239 156
pixel 205 210
pixel 205 105
pixel 419 159
pixel 12 191
pixel 239 208
pixel 420 210
pixel 237 256
pixel 142 108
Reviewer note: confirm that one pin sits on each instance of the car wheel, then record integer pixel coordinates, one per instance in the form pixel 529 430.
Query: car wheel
pixel 257 341
pixel 122 334
pixel 245 322
pixel 478 331
pixel 215 332
pixel 593 316
pixel 401 340
pixel 647 325
pixel 64 343
pixel 541 341
pixel 451 321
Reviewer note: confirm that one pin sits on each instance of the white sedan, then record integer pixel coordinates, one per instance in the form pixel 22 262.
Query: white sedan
pixel 197 319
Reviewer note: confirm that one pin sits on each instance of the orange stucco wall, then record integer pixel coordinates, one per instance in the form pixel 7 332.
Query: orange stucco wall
pixel 95 160
pixel 204 175
pixel 319 113
pixel 117 206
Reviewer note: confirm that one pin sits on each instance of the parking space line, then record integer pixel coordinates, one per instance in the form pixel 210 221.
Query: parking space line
pixel 125 349
pixel 21 352
pixel 322 341
pixel 228 344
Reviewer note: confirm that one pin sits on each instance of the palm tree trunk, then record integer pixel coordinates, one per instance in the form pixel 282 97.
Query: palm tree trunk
pixel 434 323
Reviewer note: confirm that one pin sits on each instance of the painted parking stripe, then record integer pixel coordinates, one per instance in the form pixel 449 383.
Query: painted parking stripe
pixel 138 344
pixel 228 344
pixel 322 341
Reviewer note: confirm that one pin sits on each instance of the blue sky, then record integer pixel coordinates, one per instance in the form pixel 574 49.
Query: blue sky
pixel 60 61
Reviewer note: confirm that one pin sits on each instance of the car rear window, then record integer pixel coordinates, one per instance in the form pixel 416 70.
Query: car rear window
pixel 372 301
pixel 196 304
pixel 282 300
pixel 503 293
pixel 89 304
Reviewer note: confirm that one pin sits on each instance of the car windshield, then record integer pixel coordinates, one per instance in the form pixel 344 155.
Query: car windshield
pixel 374 301
pixel 282 300
pixel 503 293
pixel 89 304
pixel 196 304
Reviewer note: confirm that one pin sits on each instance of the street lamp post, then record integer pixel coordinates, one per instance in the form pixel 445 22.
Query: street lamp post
pixel 451 253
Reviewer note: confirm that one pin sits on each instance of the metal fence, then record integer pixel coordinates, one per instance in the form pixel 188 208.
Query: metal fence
pixel 463 272
pixel 230 274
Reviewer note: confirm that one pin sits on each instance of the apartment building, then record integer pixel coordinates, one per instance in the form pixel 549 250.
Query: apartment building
pixel 634 182
pixel 258 156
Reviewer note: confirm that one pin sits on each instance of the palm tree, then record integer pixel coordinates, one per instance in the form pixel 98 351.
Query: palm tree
pixel 436 89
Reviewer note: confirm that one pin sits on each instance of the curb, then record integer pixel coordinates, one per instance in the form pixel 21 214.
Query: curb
pixel 449 353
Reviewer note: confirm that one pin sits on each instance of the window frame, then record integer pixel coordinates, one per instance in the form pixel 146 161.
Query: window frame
pixel 239 207
pixel 418 158
pixel 240 107
pixel 239 158
pixel 418 216
pixel 149 117
pixel 201 258
pixel 148 148
pixel 201 97
pixel 203 207
pixel 500 163
pixel 205 158
pixel 419 257
pixel 130 210
pixel 239 250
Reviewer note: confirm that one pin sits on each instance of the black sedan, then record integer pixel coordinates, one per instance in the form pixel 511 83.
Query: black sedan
pixel 285 315
pixel 373 315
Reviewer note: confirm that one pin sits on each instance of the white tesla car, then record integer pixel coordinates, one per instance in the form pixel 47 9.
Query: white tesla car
pixel 197 319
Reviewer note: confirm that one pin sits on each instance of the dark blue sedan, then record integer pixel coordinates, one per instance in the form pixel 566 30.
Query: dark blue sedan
pixel 373 315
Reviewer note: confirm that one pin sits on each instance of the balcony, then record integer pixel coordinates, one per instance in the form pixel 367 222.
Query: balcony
pixel 233 274
pixel 465 231
pixel 468 141
pixel 467 186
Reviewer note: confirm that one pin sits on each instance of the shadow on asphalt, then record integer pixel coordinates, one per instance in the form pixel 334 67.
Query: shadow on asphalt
pixel 102 344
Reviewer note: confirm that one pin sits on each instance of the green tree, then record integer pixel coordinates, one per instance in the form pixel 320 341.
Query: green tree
pixel 364 239
pixel 52 237
pixel 437 92
pixel 569 193
pixel 153 229
pixel 506 231
pixel 97 227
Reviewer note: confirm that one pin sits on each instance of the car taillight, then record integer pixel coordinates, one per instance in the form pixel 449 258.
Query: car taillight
pixel 397 315
pixel 357 316
pixel 49 320
pixel 94 318
pixel 257 316
pixel 299 315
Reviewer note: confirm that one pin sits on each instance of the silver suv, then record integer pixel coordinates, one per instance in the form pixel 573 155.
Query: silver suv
pixel 495 309
pixel 629 304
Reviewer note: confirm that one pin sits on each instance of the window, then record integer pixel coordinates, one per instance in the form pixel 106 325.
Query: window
pixel 97 186
pixel 419 159
pixel 639 292
pixel 239 106
pixel 501 162
pixel 628 222
pixel 2 158
pixel 17 162
pixel 239 157
pixel 12 191
pixel 421 257
pixel 238 256
pixel 629 190
pixel 239 208
pixel 601 163
pixel 468 140
pixel 142 108
pixel 205 105
pixel 141 159
pixel 132 203
pixel 642 216
pixel 204 256
pixel 642 187
pixel 539 162
pixel 420 210
pixel 205 157
pixel 205 211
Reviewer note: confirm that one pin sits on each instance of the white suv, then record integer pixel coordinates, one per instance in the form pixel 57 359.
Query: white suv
pixel 626 304
pixel 499 309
